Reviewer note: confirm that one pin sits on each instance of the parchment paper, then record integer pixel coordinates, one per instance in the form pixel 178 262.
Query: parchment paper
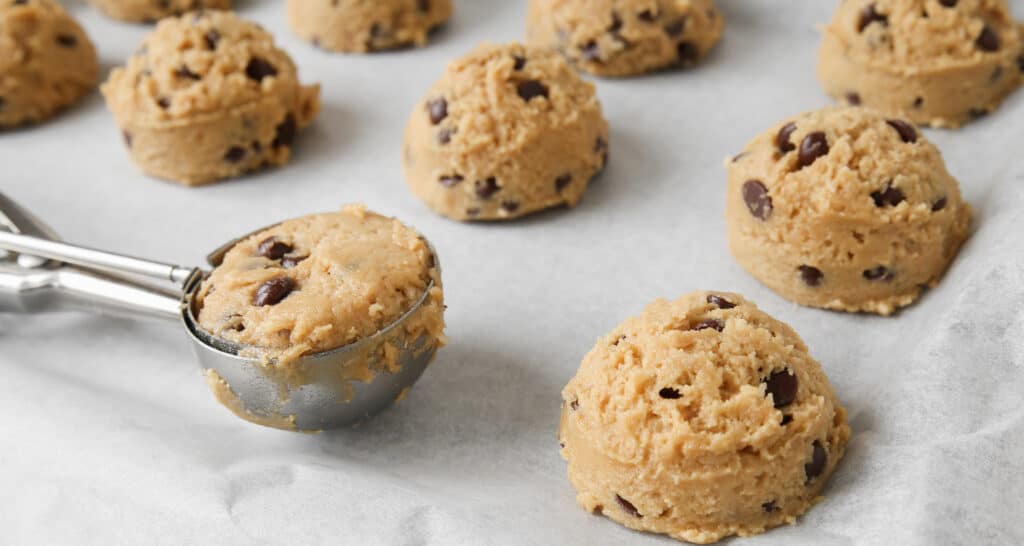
pixel 108 434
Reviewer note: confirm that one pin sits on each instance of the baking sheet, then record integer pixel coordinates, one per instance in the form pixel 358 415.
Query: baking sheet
pixel 108 434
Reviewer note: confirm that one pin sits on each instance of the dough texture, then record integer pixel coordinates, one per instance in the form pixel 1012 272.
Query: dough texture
pixel 507 131
pixel 209 96
pixel 46 61
pixel 625 37
pixel 319 282
pixel 151 11
pixel 701 418
pixel 844 209
pixel 935 62
pixel 360 26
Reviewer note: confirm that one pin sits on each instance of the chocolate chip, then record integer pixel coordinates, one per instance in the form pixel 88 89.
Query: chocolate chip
pixel 918 102
pixel 907 132
pixel 676 28
pixel 66 40
pixel 256 146
pixel 184 72
pixel 627 507
pixel 289 262
pixel 819 458
pixel 769 507
pixel 782 141
pixel 782 385
pixel 575 405
pixel 759 203
pixel 853 98
pixel 212 38
pixel 647 16
pixel 510 206
pixel 880 272
pixel 531 88
pixel 590 51
pixel 889 196
pixel 720 302
pixel 948 3
pixel 518 62
pixel 273 291
pixel 812 147
pixel 423 5
pixel 1020 63
pixel 438 110
pixel 975 113
pixel 616 24
pixel 687 53
pixel 444 136
pixel 939 204
pixel 284 134
pixel 449 180
pixel 988 40
pixel 709 324
pixel 234 154
pixel 259 68
pixel 670 393
pixel 485 189
pixel 786 419
pixel 272 248
pixel 600 145
pixel 163 102
pixel 563 182
pixel 868 15
pixel 127 138
pixel 811 275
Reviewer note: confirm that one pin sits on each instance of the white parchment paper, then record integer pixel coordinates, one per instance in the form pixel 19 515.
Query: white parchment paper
pixel 108 434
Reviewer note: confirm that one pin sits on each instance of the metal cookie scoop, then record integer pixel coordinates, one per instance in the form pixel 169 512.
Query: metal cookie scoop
pixel 40 274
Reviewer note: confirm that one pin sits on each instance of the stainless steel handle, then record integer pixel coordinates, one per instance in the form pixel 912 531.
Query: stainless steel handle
pixel 117 264
pixel 41 290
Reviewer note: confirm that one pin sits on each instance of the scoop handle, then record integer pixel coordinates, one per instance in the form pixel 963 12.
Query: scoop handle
pixel 117 264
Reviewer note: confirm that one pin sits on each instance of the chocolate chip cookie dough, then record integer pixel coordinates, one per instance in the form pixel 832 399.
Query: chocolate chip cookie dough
pixel 701 418
pixel 46 61
pixel 934 62
pixel 625 37
pixel 322 281
pixel 507 131
pixel 209 96
pixel 844 209
pixel 360 26
pixel 151 11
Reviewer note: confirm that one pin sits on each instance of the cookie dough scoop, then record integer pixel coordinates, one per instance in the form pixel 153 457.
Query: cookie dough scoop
pixel 507 131
pixel 844 209
pixel 209 96
pixel 701 418
pixel 357 26
pixel 934 62
pixel 315 323
pixel 47 62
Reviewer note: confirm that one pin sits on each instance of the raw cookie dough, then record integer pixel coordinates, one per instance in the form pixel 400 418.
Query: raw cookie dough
pixel 935 62
pixel 701 418
pixel 845 209
pixel 319 282
pixel 625 37
pixel 360 26
pixel 46 61
pixel 508 130
pixel 151 11
pixel 207 97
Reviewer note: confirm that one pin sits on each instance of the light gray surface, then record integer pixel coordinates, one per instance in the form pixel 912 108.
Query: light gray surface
pixel 108 434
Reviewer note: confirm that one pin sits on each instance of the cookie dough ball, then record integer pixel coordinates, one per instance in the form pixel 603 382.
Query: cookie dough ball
pixel 625 37
pixel 207 97
pixel 933 62
pixel 322 281
pixel 844 209
pixel 508 130
pixel 46 61
pixel 358 26
pixel 150 11
pixel 701 418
